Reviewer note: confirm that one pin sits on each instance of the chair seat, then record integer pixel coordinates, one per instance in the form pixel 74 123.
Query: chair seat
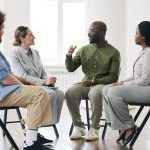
pixel 20 118
pixel 9 107
pixel 143 122
pixel 139 104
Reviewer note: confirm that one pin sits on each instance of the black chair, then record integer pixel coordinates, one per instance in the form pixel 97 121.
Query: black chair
pixel 141 126
pixel 2 125
pixel 20 118
pixel 18 114
pixel 88 120
pixel 55 129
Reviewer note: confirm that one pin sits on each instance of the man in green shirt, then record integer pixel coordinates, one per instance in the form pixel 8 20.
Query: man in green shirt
pixel 100 63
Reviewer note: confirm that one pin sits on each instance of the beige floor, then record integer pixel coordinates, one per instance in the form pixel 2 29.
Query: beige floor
pixel 64 143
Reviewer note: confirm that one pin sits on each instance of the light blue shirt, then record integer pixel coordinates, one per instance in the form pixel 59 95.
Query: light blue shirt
pixel 5 70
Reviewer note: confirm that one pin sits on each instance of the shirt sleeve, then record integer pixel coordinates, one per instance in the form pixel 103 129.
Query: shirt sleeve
pixel 73 63
pixel 3 72
pixel 128 79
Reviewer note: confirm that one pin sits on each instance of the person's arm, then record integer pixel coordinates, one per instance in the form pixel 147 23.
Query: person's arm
pixel 25 81
pixel 72 63
pixel 44 74
pixel 50 81
pixel 11 80
pixel 6 78
pixel 114 71
pixel 128 79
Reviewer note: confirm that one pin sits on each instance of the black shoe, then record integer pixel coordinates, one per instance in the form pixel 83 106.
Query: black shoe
pixel 37 146
pixel 121 136
pixel 128 139
pixel 43 140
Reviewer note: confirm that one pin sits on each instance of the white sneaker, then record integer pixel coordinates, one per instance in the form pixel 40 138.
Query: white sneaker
pixel 77 133
pixel 92 135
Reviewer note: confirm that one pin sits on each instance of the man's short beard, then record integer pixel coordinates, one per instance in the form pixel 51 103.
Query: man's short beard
pixel 95 41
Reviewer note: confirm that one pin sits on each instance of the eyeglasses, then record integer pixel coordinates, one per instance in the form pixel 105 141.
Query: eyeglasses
pixel 92 30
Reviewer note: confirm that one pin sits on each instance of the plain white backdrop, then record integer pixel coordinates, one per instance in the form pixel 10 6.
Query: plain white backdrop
pixel 121 18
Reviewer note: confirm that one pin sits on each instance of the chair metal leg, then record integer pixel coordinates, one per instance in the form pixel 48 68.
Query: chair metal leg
pixel 8 135
pixel 55 130
pixel 20 117
pixel 104 130
pixel 71 129
pixel 87 118
pixel 138 113
pixel 139 129
pixel 5 119
pixel 87 114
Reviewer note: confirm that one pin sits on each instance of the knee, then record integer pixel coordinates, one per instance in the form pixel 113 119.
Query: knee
pixel 113 94
pixel 69 93
pixel 43 95
pixel 41 91
pixel 52 96
pixel 95 94
pixel 106 89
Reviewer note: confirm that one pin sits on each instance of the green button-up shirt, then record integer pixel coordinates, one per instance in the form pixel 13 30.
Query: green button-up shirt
pixel 102 63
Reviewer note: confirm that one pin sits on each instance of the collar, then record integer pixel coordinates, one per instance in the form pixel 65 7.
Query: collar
pixel 146 49
pixel 28 52
pixel 104 45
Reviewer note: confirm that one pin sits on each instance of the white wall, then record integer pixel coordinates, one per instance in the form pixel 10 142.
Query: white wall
pixel 121 17
pixel 113 13
pixel 17 13
pixel 137 11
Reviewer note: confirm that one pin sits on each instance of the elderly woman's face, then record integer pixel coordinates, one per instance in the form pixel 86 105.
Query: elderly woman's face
pixel 138 37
